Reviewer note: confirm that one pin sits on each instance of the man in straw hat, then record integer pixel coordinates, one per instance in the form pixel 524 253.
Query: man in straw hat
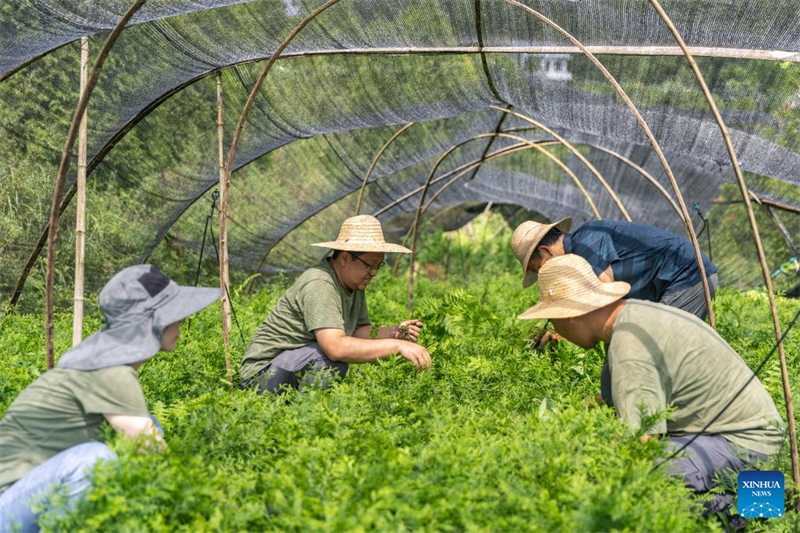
pixel 658 265
pixel 661 357
pixel 321 324
pixel 52 433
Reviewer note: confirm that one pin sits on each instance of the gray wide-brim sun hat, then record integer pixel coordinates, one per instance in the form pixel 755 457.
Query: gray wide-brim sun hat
pixel 138 303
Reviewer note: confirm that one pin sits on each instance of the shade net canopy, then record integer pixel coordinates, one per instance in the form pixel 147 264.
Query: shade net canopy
pixel 347 83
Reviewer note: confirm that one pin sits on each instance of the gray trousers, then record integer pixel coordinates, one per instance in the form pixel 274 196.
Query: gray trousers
pixel 691 299
pixel 288 368
pixel 707 456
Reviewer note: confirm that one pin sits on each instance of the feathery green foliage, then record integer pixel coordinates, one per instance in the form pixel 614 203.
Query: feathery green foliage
pixel 496 437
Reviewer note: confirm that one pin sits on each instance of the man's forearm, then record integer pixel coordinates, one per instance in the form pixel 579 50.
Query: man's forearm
pixel 386 332
pixel 383 332
pixel 358 350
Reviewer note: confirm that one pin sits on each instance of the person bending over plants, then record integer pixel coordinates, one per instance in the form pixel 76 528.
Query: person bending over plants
pixel 321 324
pixel 661 357
pixel 51 435
pixel 659 265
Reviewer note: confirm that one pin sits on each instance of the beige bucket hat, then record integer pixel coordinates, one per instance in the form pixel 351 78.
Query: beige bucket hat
pixel 568 287
pixel 525 240
pixel 362 233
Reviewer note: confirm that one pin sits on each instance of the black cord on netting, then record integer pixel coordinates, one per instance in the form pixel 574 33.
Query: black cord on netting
pixel 209 218
pixel 706 226
pixel 214 198
pixel 735 396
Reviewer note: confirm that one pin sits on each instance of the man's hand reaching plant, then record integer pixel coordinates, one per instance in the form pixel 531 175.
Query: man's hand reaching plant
pixel 543 337
pixel 416 354
pixel 408 330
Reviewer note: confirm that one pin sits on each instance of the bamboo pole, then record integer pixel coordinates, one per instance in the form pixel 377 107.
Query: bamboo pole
pixel 412 230
pixel 575 151
pixel 646 128
pixel 414 227
pixel 645 174
pixel 224 271
pixel 62 173
pixel 787 391
pixel 781 206
pixel 654 51
pixel 80 215
pixel 375 162
pixel 262 77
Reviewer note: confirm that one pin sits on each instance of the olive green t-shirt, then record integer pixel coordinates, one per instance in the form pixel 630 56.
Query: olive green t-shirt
pixel 661 356
pixel 61 409
pixel 317 300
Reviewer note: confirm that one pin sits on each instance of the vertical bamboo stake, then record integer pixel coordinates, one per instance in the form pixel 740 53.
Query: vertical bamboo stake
pixel 63 167
pixel 787 391
pixel 224 276
pixel 80 217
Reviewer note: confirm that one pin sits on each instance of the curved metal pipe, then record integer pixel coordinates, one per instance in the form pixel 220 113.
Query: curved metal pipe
pixel 787 390
pixel 621 92
pixel 262 77
pixel 413 229
pixel 470 166
pixel 575 151
pixel 649 177
pixel 375 162
pixel 63 167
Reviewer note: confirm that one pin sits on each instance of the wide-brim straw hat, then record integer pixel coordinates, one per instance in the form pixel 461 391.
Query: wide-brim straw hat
pixel 568 287
pixel 362 233
pixel 525 240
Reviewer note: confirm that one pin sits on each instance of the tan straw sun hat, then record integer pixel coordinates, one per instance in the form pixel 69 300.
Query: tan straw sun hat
pixel 362 233
pixel 568 287
pixel 525 240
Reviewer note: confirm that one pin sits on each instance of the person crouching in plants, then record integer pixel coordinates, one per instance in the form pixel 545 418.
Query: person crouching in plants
pixel 321 324
pixel 51 435
pixel 661 357
pixel 659 265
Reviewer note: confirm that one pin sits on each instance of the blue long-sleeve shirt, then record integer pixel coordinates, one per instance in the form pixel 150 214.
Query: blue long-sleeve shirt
pixel 654 261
